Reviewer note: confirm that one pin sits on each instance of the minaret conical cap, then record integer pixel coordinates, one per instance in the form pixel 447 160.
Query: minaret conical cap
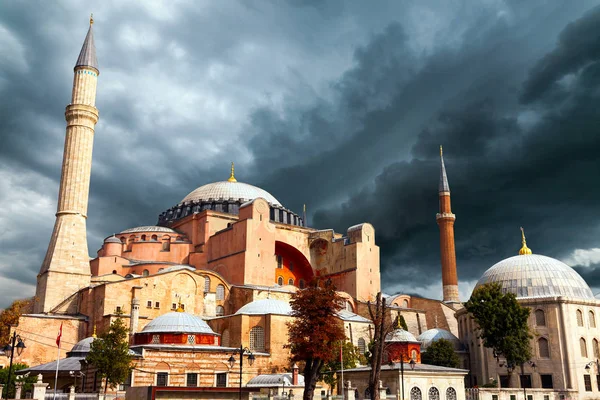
pixel 443 187
pixel 87 56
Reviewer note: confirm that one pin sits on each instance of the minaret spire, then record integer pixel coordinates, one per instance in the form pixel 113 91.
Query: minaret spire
pixel 445 220
pixel 66 267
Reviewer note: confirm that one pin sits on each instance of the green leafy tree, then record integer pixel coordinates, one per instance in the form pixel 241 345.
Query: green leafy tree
pixel 28 381
pixel 315 330
pixel 502 323
pixel 110 355
pixel 441 352
pixel 351 358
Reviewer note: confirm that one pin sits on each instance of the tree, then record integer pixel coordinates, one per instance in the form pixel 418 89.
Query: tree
pixel 378 312
pixel 110 355
pixel 10 316
pixel 502 323
pixel 441 353
pixel 351 357
pixel 28 381
pixel 315 330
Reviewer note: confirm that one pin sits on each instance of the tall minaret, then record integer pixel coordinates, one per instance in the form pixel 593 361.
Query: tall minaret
pixel 445 220
pixel 66 267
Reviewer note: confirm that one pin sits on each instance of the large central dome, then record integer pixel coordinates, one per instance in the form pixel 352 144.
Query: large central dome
pixel 226 190
pixel 533 275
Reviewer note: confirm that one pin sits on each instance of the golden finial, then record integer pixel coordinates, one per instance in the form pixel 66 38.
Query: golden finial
pixel 398 324
pixel 441 151
pixel 92 19
pixel 94 334
pixel 179 307
pixel 524 250
pixel 232 177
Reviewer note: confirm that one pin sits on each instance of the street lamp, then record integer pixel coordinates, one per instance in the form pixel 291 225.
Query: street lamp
pixel 243 350
pixel 412 364
pixel 9 352
pixel 523 375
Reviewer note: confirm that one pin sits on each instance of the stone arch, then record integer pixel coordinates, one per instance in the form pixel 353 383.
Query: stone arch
pixel 293 264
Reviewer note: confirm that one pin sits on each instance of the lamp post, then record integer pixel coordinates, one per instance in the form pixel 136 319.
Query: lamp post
pixel 243 350
pixel 412 364
pixel 9 351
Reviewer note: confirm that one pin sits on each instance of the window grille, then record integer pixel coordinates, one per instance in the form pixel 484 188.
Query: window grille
pixel 540 318
pixel 220 311
pixel 450 394
pixel 157 304
pixel 544 348
pixel 191 379
pixel 434 393
pixel 596 349
pixel 592 319
pixel 579 318
pixel 290 281
pixel 145 273
pixel 192 339
pixel 220 292
pixel 362 346
pixel 415 393
pixel 588 382
pixel 280 281
pixel 149 304
pixel 206 284
pixel 583 347
pixel 221 379
pixel 225 338
pixel 162 379
pixel 257 338
pixel 155 339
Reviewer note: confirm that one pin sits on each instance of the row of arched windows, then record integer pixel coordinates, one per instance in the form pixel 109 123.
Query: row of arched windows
pixel 591 318
pixel 280 282
pixel 433 394
pixel 584 350
pixel 220 291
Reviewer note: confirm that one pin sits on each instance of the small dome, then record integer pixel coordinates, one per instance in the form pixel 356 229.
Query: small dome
pixel 266 306
pixel 535 275
pixel 81 348
pixel 400 335
pixel 150 228
pixel 268 380
pixel 113 239
pixel 435 334
pixel 177 322
pixel 226 190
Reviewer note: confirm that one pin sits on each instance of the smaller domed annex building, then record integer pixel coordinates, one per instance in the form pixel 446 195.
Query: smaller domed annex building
pixel 563 320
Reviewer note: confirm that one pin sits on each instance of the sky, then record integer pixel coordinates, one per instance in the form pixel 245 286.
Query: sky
pixel 339 105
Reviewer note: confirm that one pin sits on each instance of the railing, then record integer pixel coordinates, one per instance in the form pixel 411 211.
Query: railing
pixel 59 396
pixel 472 394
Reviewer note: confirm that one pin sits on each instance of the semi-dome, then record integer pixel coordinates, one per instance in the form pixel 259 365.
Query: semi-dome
pixel 226 190
pixel 177 322
pixel 534 275
pixel 113 239
pixel 400 335
pixel 433 335
pixel 266 306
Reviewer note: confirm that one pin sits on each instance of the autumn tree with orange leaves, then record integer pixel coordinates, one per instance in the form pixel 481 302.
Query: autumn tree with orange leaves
pixel 10 316
pixel 315 330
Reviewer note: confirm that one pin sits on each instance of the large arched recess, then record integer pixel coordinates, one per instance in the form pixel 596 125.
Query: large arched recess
pixel 291 264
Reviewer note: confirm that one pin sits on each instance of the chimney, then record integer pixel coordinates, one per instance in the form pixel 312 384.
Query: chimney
pixel 295 374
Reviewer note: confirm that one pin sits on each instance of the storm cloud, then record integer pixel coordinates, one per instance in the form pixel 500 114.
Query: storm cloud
pixel 338 105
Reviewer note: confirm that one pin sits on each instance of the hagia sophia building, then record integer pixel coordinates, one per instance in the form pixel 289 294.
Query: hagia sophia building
pixel 217 271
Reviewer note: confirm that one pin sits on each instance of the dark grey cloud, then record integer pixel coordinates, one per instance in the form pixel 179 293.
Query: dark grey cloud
pixel 338 105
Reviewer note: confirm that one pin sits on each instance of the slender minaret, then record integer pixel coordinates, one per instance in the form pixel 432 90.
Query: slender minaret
pixel 445 220
pixel 66 267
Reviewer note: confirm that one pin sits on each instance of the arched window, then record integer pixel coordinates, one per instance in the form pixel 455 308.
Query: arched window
pixel 583 347
pixel 290 281
pixel 579 318
pixel 114 271
pixel 206 284
pixel 143 238
pixel 405 303
pixel 225 338
pixel 220 292
pixel 349 306
pixel 540 318
pixel 362 346
pixel 596 348
pixel 434 393
pixel 543 348
pixel 220 311
pixel 166 245
pixel 145 273
pixel 154 238
pixel 415 393
pixel 257 338
pixel 450 394
pixel 301 285
pixel 592 319
pixel 130 242
pixel 123 240
pixel 280 281
pixel 413 354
